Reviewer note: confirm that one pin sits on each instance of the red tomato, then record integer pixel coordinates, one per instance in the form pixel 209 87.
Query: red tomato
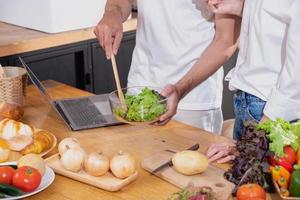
pixel 26 178
pixel 6 174
pixel 250 192
pixel 290 155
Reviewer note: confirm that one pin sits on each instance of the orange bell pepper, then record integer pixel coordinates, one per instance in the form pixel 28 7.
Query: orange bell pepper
pixel 283 172
pixel 282 182
pixel 275 174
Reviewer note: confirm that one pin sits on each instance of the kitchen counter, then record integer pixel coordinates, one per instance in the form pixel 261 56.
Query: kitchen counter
pixel 140 141
pixel 16 40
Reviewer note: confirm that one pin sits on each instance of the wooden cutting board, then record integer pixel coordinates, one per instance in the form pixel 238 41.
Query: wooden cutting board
pixel 107 181
pixel 212 177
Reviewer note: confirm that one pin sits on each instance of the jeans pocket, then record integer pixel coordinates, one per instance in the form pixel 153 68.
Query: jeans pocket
pixel 255 110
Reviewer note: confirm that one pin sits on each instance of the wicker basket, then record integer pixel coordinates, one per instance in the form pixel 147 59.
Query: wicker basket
pixel 13 85
pixel 282 197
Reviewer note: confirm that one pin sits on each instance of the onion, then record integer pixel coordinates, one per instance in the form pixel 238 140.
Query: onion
pixel 189 162
pixel 33 160
pixel 70 142
pixel 72 159
pixel 96 164
pixel 123 165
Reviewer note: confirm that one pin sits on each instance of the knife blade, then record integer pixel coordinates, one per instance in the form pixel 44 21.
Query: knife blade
pixel 169 162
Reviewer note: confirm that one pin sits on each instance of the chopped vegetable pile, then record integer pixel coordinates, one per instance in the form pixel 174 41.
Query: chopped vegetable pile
pixel 146 106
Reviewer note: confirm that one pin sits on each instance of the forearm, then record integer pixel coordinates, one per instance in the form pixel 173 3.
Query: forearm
pixel 216 54
pixel 123 7
pixel 209 62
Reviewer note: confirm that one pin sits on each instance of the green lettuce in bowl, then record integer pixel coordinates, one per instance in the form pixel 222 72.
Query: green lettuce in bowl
pixel 143 104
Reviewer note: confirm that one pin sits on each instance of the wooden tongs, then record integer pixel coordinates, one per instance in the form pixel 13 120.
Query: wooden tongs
pixel 117 79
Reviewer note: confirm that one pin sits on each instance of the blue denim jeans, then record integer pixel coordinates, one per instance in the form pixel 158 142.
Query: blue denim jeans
pixel 246 107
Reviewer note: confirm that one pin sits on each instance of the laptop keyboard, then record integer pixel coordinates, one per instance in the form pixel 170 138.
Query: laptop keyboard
pixel 83 112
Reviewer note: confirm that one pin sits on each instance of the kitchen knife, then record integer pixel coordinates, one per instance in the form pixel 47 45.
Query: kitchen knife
pixel 169 162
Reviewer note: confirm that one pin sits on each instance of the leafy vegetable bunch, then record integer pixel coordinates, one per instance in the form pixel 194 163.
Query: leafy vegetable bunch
pixel 145 106
pixel 280 134
pixel 251 164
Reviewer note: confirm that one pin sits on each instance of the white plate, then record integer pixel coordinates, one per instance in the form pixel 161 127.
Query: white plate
pixel 47 179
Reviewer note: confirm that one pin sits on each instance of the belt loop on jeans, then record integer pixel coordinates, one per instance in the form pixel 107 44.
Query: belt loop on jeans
pixel 242 94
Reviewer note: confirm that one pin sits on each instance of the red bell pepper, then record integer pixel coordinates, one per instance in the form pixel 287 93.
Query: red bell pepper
pixel 284 163
pixel 273 160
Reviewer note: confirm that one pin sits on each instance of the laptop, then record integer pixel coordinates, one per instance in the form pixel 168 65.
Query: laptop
pixel 78 113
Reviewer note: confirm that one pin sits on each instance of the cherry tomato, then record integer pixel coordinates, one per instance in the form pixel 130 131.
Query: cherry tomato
pixel 6 174
pixel 250 192
pixel 26 178
pixel 290 155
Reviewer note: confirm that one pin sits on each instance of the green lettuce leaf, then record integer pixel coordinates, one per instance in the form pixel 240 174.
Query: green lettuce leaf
pixel 280 134
pixel 146 106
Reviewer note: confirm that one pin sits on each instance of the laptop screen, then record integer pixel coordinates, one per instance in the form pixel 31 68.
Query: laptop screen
pixel 36 81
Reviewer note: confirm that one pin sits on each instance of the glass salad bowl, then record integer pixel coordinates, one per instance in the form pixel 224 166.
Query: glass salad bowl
pixel 144 105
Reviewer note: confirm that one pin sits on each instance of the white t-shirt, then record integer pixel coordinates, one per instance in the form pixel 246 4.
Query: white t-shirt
pixel 171 35
pixel 268 65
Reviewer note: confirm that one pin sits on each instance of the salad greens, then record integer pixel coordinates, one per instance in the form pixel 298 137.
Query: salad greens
pixel 146 106
pixel 194 193
pixel 280 134
pixel 251 163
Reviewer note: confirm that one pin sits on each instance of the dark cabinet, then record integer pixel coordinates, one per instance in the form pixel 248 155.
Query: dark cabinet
pixel 103 78
pixel 4 61
pixel 82 65
pixel 66 65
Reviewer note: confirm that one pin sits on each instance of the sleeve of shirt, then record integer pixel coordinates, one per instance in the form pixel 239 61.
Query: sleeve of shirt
pixel 284 100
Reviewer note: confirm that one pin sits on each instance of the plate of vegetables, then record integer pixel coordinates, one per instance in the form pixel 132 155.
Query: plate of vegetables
pixel 17 182
pixel 268 154
pixel 284 143
pixel 144 105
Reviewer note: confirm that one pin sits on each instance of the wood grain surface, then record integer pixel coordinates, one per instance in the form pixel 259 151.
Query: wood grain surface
pixel 107 181
pixel 16 39
pixel 212 177
pixel 141 142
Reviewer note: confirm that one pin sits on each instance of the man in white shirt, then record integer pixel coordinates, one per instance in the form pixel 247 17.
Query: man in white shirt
pixel 266 74
pixel 175 38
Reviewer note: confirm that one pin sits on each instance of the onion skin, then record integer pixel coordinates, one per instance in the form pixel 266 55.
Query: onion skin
pixel 70 142
pixel 123 165
pixel 96 164
pixel 73 159
pixel 190 162
pixel 33 160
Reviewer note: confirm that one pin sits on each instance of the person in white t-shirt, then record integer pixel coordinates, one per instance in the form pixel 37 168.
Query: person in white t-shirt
pixel 266 74
pixel 175 38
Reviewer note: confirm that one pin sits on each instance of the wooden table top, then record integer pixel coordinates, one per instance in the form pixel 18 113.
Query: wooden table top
pixel 140 141
pixel 16 39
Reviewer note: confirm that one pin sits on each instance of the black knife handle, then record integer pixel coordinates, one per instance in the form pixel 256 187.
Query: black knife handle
pixel 194 147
